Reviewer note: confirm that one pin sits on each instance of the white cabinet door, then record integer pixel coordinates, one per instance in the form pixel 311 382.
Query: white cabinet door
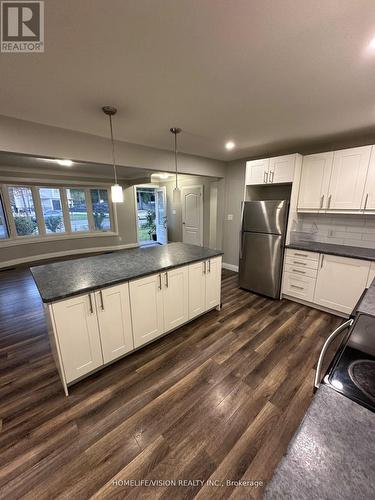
pixel 368 200
pixel 257 171
pixel 282 169
pixel 340 282
pixel 197 289
pixel 213 282
pixel 315 177
pixel 371 274
pixel 113 309
pixel 77 330
pixel 146 301
pixel 348 178
pixel 175 297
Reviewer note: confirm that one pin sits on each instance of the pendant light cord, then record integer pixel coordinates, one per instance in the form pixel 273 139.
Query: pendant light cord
pixel 113 149
pixel 175 156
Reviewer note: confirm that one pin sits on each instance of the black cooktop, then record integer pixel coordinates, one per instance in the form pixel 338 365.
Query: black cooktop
pixel 352 372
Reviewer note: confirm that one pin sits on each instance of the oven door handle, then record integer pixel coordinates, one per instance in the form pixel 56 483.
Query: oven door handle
pixel 327 343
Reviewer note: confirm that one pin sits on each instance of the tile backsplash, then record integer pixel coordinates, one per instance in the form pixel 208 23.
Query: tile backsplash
pixel 354 230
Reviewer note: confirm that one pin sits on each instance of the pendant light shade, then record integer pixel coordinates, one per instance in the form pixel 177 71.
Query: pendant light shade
pixel 117 193
pixel 176 190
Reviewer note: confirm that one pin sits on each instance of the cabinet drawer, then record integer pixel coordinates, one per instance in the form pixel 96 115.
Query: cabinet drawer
pixel 301 262
pixel 301 271
pixel 302 254
pixel 299 286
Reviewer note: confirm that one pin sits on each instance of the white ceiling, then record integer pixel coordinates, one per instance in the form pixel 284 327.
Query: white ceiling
pixel 267 74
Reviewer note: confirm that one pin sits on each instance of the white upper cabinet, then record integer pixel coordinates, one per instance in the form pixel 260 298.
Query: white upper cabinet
pixel 257 171
pixel 277 170
pixel 78 333
pixel 113 308
pixel 340 282
pixel 146 298
pixel 282 169
pixel 314 185
pixel 175 299
pixel 348 178
pixel 368 200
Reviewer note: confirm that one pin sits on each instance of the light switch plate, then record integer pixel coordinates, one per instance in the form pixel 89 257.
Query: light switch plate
pixel 174 211
pixel 230 217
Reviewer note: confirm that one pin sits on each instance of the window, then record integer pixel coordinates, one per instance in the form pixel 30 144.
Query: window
pixel 100 209
pixel 53 216
pixel 4 231
pixel 53 211
pixel 23 210
pixel 77 209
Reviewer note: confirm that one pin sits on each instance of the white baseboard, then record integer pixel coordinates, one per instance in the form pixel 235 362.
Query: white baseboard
pixel 52 255
pixel 230 267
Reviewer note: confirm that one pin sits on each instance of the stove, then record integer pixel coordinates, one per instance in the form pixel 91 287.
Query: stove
pixel 352 371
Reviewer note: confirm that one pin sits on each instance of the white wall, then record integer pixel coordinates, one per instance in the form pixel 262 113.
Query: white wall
pixel 20 136
pixel 233 196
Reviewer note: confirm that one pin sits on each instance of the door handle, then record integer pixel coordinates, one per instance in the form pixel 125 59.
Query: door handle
pixel 321 264
pixel 205 267
pixel 329 201
pixel 321 202
pixel 299 263
pixel 101 300
pixel 271 176
pixel 209 266
pixel 91 306
pixel 159 281
pixel 265 178
pixel 166 280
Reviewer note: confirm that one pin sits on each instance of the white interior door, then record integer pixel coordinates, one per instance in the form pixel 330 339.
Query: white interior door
pixel 161 215
pixel 192 215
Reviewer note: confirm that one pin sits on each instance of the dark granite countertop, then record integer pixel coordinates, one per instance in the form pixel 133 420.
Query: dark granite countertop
pixel 64 279
pixel 367 304
pixel 332 455
pixel 331 249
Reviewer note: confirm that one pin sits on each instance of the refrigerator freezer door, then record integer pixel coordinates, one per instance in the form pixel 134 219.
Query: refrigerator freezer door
pixel 265 216
pixel 261 263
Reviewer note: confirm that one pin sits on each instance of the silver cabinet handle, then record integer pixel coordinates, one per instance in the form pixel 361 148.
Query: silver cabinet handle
pixel 332 337
pixel 101 300
pixel 209 266
pixel 265 177
pixel 166 280
pixel 298 287
pixel 329 201
pixel 91 306
pixel 364 208
pixel 159 281
pixel 299 263
pixel 300 254
pixel 321 264
pixel 298 271
pixel 271 175
pixel 321 202
pixel 205 267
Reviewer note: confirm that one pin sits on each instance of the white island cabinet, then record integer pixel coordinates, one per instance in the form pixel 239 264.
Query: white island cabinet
pixel 91 330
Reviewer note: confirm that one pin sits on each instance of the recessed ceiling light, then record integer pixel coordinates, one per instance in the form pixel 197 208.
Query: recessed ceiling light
pixel 65 163
pixel 229 145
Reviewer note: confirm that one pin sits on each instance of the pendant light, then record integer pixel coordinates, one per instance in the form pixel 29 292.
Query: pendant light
pixel 176 191
pixel 117 194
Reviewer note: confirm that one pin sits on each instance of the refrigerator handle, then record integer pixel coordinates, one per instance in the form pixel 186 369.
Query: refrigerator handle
pixel 241 232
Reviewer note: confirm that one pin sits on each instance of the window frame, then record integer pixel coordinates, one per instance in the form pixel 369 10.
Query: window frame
pixel 43 236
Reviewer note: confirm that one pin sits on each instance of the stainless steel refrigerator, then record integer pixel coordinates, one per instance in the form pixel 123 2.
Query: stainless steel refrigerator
pixel 262 244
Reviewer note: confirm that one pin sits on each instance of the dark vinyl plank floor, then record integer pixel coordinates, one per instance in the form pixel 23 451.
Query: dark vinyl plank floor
pixel 217 399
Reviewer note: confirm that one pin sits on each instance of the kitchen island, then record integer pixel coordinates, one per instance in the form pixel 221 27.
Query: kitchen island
pixel 102 308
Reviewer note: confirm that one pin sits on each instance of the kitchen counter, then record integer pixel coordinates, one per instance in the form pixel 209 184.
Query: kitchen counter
pixel 331 249
pixel 367 304
pixel 332 455
pixel 60 280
